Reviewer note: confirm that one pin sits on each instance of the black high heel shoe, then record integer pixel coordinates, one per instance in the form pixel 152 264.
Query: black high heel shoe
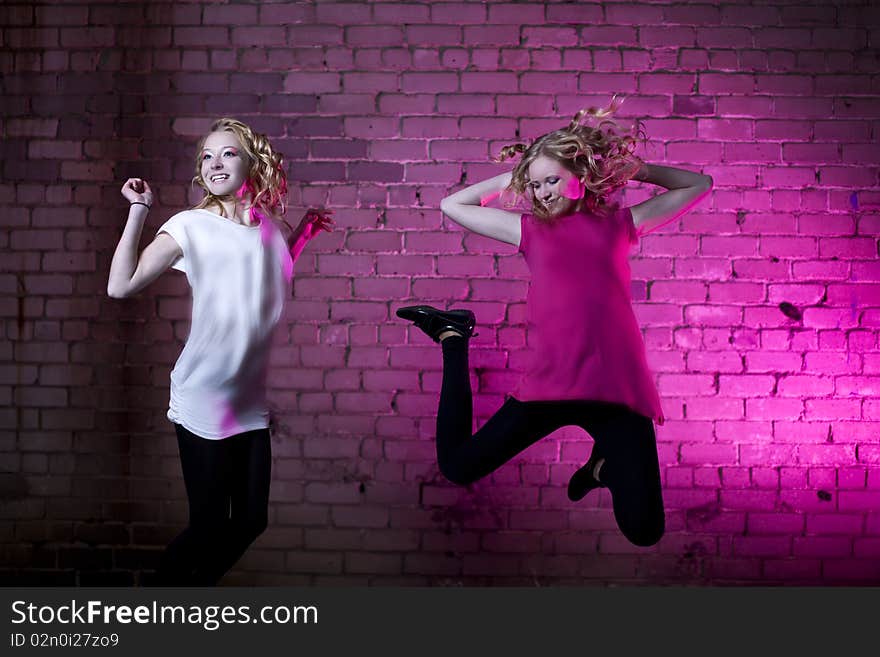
pixel 583 481
pixel 434 322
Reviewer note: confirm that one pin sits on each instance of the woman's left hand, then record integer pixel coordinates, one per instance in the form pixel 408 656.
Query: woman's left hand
pixel 313 222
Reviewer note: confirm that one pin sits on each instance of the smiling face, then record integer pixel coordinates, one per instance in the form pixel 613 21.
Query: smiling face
pixel 553 189
pixel 224 165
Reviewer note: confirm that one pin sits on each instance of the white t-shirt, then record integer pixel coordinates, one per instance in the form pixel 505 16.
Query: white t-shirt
pixel 240 276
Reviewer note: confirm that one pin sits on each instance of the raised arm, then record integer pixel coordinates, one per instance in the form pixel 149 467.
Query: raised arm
pixel 685 189
pixel 465 207
pixel 128 274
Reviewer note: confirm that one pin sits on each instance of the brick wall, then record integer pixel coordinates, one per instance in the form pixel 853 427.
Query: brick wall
pixel 760 308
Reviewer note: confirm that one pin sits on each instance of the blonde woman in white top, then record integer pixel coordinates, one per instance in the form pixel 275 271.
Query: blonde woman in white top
pixel 238 254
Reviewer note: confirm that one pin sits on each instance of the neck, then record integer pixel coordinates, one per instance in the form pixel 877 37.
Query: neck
pixel 235 209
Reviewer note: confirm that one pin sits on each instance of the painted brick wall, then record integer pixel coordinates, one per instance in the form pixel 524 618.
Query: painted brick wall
pixel 760 308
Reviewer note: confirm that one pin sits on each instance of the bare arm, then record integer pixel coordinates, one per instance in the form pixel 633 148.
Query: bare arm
pixel 685 189
pixel 128 273
pixel 465 207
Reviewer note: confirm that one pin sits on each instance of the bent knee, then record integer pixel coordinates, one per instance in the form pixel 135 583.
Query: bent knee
pixel 456 475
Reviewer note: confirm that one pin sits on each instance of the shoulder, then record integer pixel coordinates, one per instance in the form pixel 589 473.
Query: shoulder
pixel 178 220
pixel 185 227
pixel 184 216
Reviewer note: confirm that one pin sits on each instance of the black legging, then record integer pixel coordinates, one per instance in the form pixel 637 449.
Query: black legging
pixel 227 483
pixel 624 438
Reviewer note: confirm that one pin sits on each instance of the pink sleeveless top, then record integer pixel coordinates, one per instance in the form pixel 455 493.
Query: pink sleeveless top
pixel 584 339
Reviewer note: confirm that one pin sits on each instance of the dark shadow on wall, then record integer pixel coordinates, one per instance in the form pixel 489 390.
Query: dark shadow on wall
pixel 90 488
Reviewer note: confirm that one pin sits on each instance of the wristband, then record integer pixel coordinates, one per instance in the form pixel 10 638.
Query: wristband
pixel 139 203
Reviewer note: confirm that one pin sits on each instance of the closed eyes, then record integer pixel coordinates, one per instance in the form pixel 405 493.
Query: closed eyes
pixel 551 180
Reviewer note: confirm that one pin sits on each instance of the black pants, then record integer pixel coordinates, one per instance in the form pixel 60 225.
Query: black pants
pixel 624 438
pixel 227 483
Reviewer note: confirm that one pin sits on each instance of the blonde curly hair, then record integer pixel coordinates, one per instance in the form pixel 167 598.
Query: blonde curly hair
pixel 266 184
pixel 594 147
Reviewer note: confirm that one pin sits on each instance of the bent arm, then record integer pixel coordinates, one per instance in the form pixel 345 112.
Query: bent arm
pixel 465 207
pixel 685 189
pixel 313 222
pixel 128 274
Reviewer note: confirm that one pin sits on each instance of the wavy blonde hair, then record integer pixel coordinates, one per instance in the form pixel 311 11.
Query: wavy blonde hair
pixel 265 186
pixel 594 147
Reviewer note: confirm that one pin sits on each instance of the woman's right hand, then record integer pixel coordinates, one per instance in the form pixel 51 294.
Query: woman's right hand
pixel 136 190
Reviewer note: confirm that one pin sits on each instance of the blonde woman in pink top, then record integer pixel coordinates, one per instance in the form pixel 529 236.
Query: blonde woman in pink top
pixel 588 365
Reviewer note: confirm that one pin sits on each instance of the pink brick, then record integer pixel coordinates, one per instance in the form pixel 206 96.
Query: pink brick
pixel 706 315
pixel 758 152
pixel 797 247
pixel 708 454
pixel 858 386
pixel 830 318
pixel 200 36
pixel 869 454
pixel 836 523
pixel 854 432
pixel 467 104
pixel 792 569
pixel 775 523
pixel 858 500
pixel 369 82
pixel 457 13
pixel 851 477
pixel 314 35
pixel 693 152
pixel 686 384
pixel 762 546
pixel 773 409
pixel 714 362
pixel 736 292
pixel 236 15
pixel 734 129
pixel 788 177
pixel 519 14
pixel 826 454
pixel 607 35
pixel 761 270
pixel 722 37
pixel 428 82
pixel 312 82
pixel 734 570
pixel 726 83
pixel 666 36
pixel 746 385
pixel 715 408
pixel 805 385
pixel 702 268
pixel 746 432
pixel 669 244
pixel 821 270
pixel 535 82
pixel 866 547
pixel 771 478
pixel 657 314
pixel 795 294
pixel 822 546
pixel 831 363
pixel 861 294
